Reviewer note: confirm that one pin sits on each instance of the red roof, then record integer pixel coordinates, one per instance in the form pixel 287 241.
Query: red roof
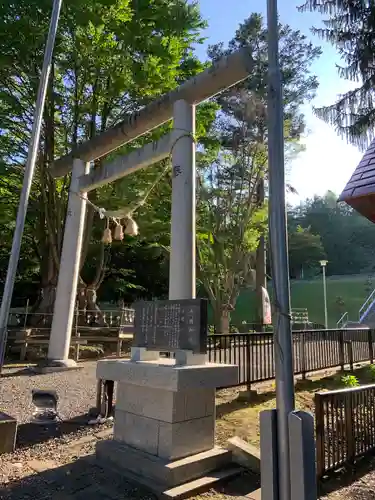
pixel 359 192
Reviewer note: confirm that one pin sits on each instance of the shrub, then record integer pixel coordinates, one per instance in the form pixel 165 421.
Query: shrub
pixel 350 381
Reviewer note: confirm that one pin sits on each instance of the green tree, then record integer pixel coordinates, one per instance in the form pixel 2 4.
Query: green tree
pixel 305 251
pixel 241 139
pixel 230 218
pixel 347 237
pixel 111 57
pixel 350 27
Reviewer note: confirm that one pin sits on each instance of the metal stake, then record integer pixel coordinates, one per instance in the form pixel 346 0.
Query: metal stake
pixel 28 178
pixel 279 255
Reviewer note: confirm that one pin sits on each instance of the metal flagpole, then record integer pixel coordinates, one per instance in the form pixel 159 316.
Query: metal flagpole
pixel 28 178
pixel 279 256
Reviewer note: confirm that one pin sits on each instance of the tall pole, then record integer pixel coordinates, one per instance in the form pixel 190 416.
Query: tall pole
pixel 323 263
pixel 279 255
pixel 182 258
pixel 28 178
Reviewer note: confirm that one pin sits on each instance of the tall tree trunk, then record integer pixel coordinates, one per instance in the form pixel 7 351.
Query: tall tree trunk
pixel 222 324
pixel 89 311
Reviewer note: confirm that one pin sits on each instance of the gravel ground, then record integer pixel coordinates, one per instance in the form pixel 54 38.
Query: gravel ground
pixel 57 463
pixel 76 390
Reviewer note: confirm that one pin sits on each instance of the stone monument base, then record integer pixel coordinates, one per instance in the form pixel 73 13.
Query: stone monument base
pixel 8 433
pixel 164 422
pixel 157 474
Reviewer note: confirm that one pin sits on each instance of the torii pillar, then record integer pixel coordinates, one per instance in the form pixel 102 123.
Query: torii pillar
pixel 63 314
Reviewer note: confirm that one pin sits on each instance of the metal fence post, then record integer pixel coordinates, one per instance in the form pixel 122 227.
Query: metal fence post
pixel 248 368
pixel 370 347
pixel 319 431
pixel 303 355
pixel 350 440
pixel 349 344
pixel 341 349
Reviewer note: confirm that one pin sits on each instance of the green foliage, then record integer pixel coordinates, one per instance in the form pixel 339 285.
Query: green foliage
pixel 371 372
pixel 232 212
pixel 111 58
pixel 347 237
pixel 305 251
pixel 350 27
pixel 349 381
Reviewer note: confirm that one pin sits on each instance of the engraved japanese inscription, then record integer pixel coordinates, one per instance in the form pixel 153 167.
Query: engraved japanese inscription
pixel 171 325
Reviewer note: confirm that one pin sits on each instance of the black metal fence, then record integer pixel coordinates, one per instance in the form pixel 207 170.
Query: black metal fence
pixel 312 351
pixel 345 426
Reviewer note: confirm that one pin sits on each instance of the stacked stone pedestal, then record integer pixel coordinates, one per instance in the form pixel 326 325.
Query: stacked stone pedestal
pixel 164 429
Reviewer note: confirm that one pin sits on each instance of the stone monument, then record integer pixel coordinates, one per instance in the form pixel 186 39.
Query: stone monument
pixel 164 423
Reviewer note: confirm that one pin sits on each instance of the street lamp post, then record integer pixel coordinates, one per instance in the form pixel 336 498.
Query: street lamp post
pixel 323 264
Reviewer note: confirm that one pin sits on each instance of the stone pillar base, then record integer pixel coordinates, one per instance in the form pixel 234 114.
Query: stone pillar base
pixel 165 415
pixel 8 433
pixel 155 473
pixel 55 365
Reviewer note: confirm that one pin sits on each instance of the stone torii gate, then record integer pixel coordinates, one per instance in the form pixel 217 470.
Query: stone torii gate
pixel 179 105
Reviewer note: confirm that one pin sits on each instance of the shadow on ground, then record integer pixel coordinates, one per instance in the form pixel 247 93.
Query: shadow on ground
pixel 30 371
pixel 227 407
pixel 30 434
pixel 80 480
pixel 85 479
pixel 328 383
pixel 348 475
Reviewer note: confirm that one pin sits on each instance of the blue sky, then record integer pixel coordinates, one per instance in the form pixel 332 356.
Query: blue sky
pixel 328 161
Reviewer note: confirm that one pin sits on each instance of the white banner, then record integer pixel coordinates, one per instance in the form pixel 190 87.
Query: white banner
pixel 266 303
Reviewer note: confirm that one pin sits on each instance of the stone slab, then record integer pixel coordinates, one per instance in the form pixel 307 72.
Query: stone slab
pixel 199 485
pixel 164 374
pixel 154 472
pixel 137 431
pixel 182 439
pixel 8 433
pixel 170 441
pixel 165 405
pixel 255 495
pixel 245 454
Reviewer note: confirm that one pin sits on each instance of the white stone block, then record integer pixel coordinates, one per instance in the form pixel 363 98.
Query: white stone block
pixel 142 354
pixel 184 357
pixel 183 439
pixel 136 431
pixel 165 405
pixel 164 374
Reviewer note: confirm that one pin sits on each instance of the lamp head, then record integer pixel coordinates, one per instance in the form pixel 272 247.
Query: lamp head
pixel 323 263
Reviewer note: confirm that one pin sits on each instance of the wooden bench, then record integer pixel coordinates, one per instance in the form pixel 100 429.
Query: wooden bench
pixel 27 338
pixel 24 343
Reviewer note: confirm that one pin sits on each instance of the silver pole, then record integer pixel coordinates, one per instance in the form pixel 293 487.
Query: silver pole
pixel 279 255
pixel 325 298
pixel 28 178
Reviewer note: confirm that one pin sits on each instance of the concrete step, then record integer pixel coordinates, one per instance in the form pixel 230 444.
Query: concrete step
pixel 202 484
pixel 156 473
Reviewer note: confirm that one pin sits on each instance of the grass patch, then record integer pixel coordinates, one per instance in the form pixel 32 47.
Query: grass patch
pixel 238 418
pixel 353 290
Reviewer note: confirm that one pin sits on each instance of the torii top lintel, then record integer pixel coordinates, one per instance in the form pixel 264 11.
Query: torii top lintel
pixel 221 75
pixel 359 192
